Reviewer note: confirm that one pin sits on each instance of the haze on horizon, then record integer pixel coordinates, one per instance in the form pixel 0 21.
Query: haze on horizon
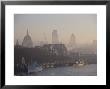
pixel 83 26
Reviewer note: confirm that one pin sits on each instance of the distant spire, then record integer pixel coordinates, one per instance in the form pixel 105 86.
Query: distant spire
pixel 55 39
pixel 17 43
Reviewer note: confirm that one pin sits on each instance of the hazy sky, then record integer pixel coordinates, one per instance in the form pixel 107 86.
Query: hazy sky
pixel 84 27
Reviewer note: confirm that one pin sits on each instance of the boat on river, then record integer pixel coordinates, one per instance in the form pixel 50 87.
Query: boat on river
pixel 79 63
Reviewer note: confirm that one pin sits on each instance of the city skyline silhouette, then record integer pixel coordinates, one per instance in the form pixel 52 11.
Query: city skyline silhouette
pixel 40 27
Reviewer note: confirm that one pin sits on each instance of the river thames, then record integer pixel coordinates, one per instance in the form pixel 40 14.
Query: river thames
pixel 87 70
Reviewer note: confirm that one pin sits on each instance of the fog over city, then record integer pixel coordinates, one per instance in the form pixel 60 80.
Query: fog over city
pixel 55 44
pixel 41 26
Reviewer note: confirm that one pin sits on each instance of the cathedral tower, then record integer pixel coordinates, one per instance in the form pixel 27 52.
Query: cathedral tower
pixel 27 42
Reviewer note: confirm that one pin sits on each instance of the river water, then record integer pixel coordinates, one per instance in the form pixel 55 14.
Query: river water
pixel 87 70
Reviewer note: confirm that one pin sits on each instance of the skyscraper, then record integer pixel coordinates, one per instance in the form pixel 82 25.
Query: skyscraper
pixel 72 39
pixel 55 37
pixel 72 43
pixel 27 42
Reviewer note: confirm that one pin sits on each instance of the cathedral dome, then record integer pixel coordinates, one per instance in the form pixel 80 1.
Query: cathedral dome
pixel 27 42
